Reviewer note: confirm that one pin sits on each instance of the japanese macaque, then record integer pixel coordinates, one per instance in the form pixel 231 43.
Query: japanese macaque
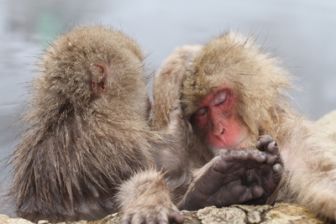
pixel 243 176
pixel 87 136
pixel 231 93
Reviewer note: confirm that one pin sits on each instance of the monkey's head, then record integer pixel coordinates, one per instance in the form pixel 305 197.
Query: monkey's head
pixel 232 91
pixel 92 65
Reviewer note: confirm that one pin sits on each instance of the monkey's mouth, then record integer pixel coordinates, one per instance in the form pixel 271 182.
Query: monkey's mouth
pixel 239 143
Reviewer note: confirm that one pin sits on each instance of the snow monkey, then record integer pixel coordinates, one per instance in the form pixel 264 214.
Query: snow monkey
pixel 231 93
pixel 87 133
pixel 88 150
pixel 243 176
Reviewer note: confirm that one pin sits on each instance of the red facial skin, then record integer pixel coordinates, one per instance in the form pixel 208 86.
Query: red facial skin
pixel 218 120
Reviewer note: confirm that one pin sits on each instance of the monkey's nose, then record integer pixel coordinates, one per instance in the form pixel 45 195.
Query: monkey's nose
pixel 218 129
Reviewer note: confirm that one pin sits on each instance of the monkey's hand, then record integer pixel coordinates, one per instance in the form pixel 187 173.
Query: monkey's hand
pixel 145 199
pixel 269 174
pixel 168 83
pixel 232 177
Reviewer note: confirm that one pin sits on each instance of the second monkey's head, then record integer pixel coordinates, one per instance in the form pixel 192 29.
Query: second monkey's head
pixel 232 92
pixel 93 65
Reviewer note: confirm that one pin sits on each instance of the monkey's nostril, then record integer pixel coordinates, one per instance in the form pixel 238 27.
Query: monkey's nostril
pixel 218 130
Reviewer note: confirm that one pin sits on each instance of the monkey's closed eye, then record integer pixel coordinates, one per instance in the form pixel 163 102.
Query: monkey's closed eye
pixel 201 112
pixel 220 98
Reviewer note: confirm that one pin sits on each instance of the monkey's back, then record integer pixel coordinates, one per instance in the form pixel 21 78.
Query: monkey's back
pixel 77 147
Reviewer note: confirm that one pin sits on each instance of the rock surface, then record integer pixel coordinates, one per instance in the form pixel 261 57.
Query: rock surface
pixel 237 214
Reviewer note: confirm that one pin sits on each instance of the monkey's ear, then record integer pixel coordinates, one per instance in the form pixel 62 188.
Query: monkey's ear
pixel 99 72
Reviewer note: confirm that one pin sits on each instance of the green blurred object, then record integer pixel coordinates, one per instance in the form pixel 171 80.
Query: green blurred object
pixel 48 26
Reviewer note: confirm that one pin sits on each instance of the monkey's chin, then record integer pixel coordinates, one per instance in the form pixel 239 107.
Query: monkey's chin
pixel 239 144
pixel 216 150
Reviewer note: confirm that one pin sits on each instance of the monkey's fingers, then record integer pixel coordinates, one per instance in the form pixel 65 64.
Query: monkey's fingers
pixel 236 192
pixel 268 144
pixel 209 183
pixel 242 158
pixel 250 177
pixel 218 174
pixel 164 216
pixel 177 126
pixel 273 159
pixel 175 217
pixel 278 168
pixel 263 142
pixel 277 171
pixel 269 177
pixel 228 194
pixel 251 193
pixel 273 148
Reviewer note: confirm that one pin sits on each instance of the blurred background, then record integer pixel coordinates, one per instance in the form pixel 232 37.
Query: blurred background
pixel 299 32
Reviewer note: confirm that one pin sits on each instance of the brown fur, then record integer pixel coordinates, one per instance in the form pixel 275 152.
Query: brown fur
pixel 167 97
pixel 82 141
pixel 171 74
pixel 261 85
pixel 327 125
pixel 149 186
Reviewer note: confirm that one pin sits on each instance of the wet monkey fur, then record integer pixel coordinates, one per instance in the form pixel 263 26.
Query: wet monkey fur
pixel 87 150
pixel 231 93
pixel 238 176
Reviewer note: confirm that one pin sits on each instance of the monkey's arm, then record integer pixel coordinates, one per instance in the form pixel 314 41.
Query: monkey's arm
pixel 236 176
pixel 168 82
pixel 145 198
pixel 310 164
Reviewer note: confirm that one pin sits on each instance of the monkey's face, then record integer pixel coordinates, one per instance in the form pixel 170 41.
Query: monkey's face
pixel 248 84
pixel 217 122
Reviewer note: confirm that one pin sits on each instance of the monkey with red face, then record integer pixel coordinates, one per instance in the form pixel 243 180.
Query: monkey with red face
pixel 231 94
pixel 217 149
pixel 218 122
